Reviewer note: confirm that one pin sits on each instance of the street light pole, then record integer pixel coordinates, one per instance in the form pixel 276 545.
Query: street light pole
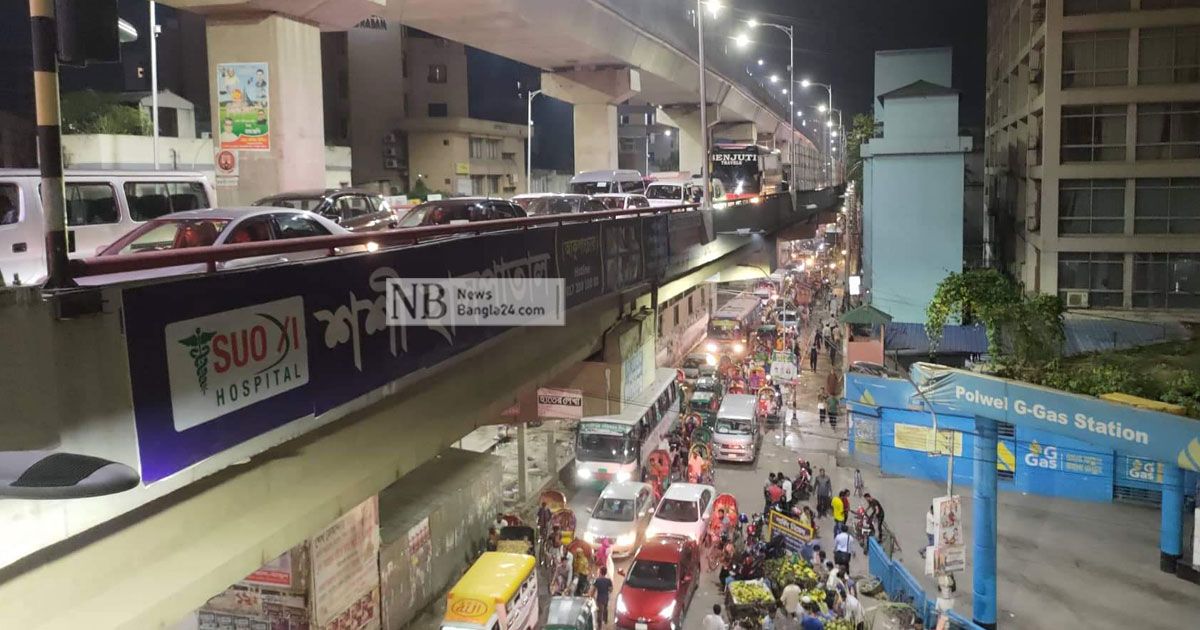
pixel 703 106
pixel 529 140
pixel 791 92
pixel 154 76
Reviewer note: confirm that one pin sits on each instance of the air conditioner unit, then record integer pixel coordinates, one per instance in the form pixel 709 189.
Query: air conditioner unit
pixel 389 151
pixel 1077 299
pixel 391 163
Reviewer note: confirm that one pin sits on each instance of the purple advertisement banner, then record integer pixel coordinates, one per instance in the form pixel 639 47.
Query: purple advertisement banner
pixel 218 360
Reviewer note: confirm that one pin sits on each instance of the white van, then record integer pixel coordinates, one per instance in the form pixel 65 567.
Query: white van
pixel 102 206
pixel 673 192
pixel 736 435
pixel 598 182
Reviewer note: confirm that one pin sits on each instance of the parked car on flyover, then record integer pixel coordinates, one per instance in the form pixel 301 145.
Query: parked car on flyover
pixel 355 210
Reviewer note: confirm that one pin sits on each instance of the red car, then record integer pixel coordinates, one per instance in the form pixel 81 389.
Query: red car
pixel 659 584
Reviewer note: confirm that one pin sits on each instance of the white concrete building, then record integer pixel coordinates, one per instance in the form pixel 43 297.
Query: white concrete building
pixel 1093 148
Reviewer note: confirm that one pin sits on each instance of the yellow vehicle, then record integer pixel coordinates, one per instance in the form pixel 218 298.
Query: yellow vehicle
pixel 498 592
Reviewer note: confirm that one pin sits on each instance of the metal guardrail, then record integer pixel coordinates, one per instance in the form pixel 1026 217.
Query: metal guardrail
pixel 213 254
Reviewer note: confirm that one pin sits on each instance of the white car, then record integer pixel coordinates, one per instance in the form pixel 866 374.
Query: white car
pixel 218 226
pixel 622 201
pixel 621 515
pixel 790 319
pixel 684 511
pixel 673 193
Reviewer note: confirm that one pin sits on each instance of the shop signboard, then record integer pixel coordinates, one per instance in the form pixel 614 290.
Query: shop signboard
pixel 276 573
pixel 795 534
pixel 243 108
pixel 560 404
pixel 345 570
pixel 949 539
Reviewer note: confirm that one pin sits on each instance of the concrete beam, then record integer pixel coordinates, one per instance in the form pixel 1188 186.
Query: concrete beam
pixel 326 14
pixel 595 95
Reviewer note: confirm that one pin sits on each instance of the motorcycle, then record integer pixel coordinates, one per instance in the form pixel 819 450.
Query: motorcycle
pixel 864 528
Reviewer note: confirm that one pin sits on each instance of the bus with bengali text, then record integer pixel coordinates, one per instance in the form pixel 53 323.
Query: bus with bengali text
pixel 617 447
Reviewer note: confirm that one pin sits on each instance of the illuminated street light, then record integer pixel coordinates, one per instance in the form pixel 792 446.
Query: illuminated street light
pixel 774 78
pixel 822 108
pixel 829 123
pixel 714 7
pixel 742 40
pixel 833 133
pixel 667 133
pixel 785 90
pixel 752 23
pixel 805 83
pixel 760 62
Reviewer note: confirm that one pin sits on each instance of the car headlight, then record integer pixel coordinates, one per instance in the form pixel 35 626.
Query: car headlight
pixel 667 611
pixel 710 346
pixel 739 348
pixel 710 359
pixel 624 475
pixel 756 200
pixel 622 609
pixel 583 473
pixel 626 540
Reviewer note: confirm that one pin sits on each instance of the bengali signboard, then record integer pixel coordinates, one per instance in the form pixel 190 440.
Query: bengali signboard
pixel 276 573
pixel 345 570
pixel 243 107
pixel 559 404
pixel 218 360
pixel 795 533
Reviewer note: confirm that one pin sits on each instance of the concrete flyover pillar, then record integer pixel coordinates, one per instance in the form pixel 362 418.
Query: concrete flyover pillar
pixel 686 118
pixel 292 154
pixel 522 464
pixel 1171 526
pixel 595 95
pixel 984 521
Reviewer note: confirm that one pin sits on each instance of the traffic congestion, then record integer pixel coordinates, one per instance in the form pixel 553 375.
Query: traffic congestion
pixel 701 505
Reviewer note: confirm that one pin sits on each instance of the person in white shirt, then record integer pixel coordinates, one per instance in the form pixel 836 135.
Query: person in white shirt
pixel 834 582
pixel 790 598
pixel 853 609
pixel 787 491
pixel 841 549
pixel 930 529
pixel 713 620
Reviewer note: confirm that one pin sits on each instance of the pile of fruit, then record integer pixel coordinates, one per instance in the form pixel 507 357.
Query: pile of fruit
pixel 839 624
pixel 790 570
pixel 750 593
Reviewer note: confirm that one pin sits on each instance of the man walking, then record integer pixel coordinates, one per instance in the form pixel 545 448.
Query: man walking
pixel 601 589
pixel 713 620
pixel 841 550
pixel 824 489
pixel 812 355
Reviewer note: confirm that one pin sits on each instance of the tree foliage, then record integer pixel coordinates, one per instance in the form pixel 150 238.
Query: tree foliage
pixel 89 111
pixel 1027 329
pixel 862 129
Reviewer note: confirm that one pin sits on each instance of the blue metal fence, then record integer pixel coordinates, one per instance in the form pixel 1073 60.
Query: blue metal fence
pixel 901 586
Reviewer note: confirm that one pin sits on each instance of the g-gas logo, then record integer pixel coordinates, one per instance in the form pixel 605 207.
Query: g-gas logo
pixel 222 362
pixel 1042 456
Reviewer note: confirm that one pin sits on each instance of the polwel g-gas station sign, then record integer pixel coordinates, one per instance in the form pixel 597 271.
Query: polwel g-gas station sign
pixel 1137 432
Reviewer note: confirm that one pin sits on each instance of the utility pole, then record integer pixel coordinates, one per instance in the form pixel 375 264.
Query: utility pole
pixel 154 76
pixel 704 199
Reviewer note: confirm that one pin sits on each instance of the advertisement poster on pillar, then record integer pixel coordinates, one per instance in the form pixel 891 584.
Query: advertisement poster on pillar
pixel 948 534
pixel 243 107
pixel 345 570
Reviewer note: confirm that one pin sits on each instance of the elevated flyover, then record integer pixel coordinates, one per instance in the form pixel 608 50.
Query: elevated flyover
pixel 225 488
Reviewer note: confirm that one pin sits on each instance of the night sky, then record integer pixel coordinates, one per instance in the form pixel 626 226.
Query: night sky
pixel 836 42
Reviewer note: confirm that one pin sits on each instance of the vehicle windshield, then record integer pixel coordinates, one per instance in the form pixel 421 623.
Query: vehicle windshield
pixel 589 188
pixel 598 447
pixel 678 511
pixel 552 205
pixel 663 191
pixel 726 426
pixel 724 329
pixel 165 234
pixel 614 510
pixel 298 203
pixel 739 179
pixel 416 216
pixel 652 576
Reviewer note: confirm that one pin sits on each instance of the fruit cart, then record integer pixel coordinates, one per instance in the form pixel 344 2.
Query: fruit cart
pixel 748 601
pixel 790 569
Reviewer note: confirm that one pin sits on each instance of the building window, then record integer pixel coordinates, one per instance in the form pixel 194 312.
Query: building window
pixel 1168 131
pixel 486 148
pixel 1080 7
pixel 1095 58
pixel 1101 275
pixel 1091 206
pixel 676 314
pixel 1166 281
pixel 1167 206
pixel 437 73
pixel 1169 55
pixel 437 110
pixel 1093 133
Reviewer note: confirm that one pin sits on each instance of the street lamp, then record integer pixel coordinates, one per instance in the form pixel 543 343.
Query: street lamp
pixel 790 32
pixel 774 78
pixel 714 7
pixel 805 83
pixel 822 108
pixel 742 40
pixel 528 141
pixel 760 62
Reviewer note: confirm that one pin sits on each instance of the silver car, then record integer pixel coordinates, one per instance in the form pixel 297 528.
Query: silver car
pixel 621 514
pixel 737 434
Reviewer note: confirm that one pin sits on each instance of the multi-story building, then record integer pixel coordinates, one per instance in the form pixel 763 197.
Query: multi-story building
pixel 1093 149
pixel 401 99
pixel 913 176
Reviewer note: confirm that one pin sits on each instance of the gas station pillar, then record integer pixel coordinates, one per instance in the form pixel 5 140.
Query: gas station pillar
pixel 292 154
pixel 595 95
pixel 984 521
pixel 1171 528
